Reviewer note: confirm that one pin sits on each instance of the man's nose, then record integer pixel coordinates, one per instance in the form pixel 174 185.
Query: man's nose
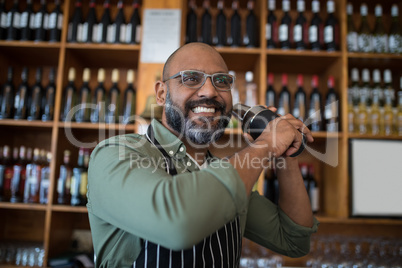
pixel 207 90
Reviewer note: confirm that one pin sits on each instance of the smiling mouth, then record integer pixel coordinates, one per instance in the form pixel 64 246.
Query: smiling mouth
pixel 200 109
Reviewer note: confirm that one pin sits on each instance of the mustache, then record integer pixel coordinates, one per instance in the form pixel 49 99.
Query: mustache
pixel 218 105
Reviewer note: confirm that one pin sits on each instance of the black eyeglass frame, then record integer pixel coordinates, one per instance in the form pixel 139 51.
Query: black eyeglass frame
pixel 205 79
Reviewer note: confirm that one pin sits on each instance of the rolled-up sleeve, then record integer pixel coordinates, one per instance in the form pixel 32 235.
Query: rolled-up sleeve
pixel 270 227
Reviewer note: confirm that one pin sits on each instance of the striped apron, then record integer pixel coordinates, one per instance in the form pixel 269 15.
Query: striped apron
pixel 220 249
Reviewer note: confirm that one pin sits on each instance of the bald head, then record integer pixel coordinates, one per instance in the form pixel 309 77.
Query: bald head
pixel 195 52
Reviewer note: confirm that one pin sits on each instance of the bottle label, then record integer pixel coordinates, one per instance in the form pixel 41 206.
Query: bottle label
pixel 32 22
pixel 351 121
pixel 24 19
pixel 298 33
pixel 38 20
pixel 380 43
pixel 95 33
pixel 110 33
pixel 46 22
pixel 60 21
pixel 313 33
pixel 84 32
pixel 99 34
pixel 70 31
pixel 60 186
pixel 8 19
pixel 365 43
pixel 352 42
pixel 3 21
pixel 79 32
pixel 375 123
pixel 268 31
pixel 84 183
pixel 283 32
pixel 315 199
pixel 138 34
pixel 122 33
pixel 328 34
pixel 129 27
pixel 53 20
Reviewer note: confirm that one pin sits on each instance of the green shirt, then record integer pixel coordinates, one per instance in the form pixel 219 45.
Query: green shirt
pixel 131 198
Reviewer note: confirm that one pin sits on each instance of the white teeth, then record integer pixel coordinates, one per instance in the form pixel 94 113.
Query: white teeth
pixel 199 109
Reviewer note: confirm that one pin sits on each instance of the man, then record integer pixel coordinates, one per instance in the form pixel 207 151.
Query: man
pixel 162 200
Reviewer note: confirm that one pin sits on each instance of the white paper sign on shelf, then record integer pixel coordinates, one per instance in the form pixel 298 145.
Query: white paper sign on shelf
pixel 161 34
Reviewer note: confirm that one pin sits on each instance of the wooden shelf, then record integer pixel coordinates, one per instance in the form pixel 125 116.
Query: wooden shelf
pixel 329 135
pixel 74 125
pixel 29 44
pixel 374 55
pixel 382 221
pixel 23 206
pixel 238 50
pixel 72 209
pixel 303 53
pixel 374 137
pixel 26 123
pixel 91 46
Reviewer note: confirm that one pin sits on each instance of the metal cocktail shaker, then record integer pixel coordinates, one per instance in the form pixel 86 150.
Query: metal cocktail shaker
pixel 255 119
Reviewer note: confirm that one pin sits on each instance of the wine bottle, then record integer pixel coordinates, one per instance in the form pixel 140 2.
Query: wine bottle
pixel 251 90
pixel 315 106
pixel 374 121
pixel 69 97
pixel 129 98
pixel 270 94
pixel 19 177
pixel 377 87
pixel 220 34
pixel 365 38
pixel 362 114
pixel 331 28
pixel 395 34
pixel 191 22
pixel 354 87
pixel 32 182
pixel 299 107
pixel 34 111
pixel 48 98
pixel 27 22
pixel 271 28
pixel 41 22
pixel 352 33
pixel 380 37
pixel 64 180
pixel 21 97
pixel 316 27
pixel 7 96
pixel 300 30
pixel 331 110
pixel 3 21
pixel 113 107
pixel 134 26
pixel 365 87
pixel 234 39
pixel 388 115
pixel 75 25
pixel 388 89
pixel 45 179
pixel 399 112
pixel 83 113
pixel 103 26
pixel 284 27
pixel 351 112
pixel 13 22
pixel 251 36
pixel 206 24
pixel 6 175
pixel 304 172
pixel 314 191
pixel 55 23
pixel 78 179
pixel 118 27
pixel 98 114
pixel 284 97
pixel 89 27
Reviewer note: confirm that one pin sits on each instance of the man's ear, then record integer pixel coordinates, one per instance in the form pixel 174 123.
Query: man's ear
pixel 160 90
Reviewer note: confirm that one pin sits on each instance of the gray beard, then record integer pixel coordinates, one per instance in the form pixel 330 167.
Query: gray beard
pixel 196 134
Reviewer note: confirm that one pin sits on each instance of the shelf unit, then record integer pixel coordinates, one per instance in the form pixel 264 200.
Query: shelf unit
pixel 53 224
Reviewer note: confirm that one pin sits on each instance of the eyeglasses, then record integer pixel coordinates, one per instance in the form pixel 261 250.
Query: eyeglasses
pixel 196 79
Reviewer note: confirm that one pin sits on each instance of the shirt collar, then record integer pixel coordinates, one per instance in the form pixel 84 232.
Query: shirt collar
pixel 170 143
